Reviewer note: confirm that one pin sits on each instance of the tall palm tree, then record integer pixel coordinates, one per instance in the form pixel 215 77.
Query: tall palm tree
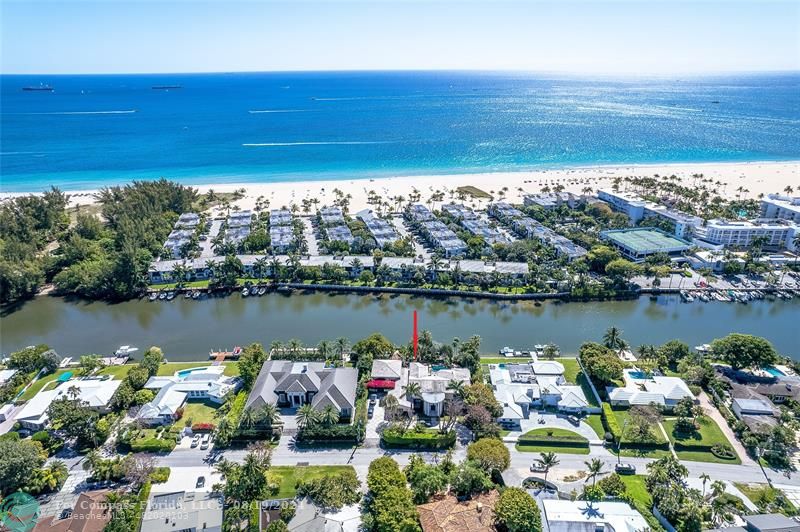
pixel 413 390
pixel 324 349
pixel 705 478
pixel 248 419
pixel 260 266
pixel 295 346
pixel 390 405
pixel 547 462
pixel 594 468
pixel 342 345
pixel 306 416
pixel 612 339
pixel 212 268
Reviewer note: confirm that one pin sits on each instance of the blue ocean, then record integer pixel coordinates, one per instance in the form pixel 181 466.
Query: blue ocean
pixel 92 131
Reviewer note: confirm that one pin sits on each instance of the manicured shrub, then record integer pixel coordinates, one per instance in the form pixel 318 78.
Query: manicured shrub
pixel 610 422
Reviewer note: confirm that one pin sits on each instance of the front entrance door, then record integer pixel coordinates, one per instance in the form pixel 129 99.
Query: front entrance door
pixel 297 400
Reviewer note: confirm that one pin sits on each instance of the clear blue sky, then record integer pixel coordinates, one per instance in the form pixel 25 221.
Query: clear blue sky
pixel 75 36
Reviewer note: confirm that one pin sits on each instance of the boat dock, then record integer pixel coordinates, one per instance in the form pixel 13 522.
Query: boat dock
pixel 220 356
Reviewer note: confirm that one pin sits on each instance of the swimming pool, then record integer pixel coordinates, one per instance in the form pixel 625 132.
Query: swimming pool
pixel 774 371
pixel 185 372
pixel 639 375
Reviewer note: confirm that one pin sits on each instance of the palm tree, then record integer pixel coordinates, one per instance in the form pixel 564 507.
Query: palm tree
pixel 212 268
pixel 547 462
pixel 306 416
pixel 329 416
pixel 594 468
pixel 248 418
pixel 413 390
pixel 705 478
pixel 324 349
pixel 295 346
pixel 260 266
pixel 390 405
pixel 342 345
pixel 267 415
pixel 612 339
pixel 457 388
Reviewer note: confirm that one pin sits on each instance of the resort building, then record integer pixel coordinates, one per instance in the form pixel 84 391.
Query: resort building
pixel 592 516
pixel 339 233
pixel 777 234
pixel 459 212
pixel 564 247
pixel 165 407
pixel 184 511
pixel 236 234
pixel 90 513
pixel 293 384
pixel 781 207
pixel 280 217
pixel 449 514
pixel 638 209
pixel 481 228
pixel 331 216
pixel 552 201
pixel 644 389
pixel 636 244
pixel 177 241
pixel 522 388
pixel 281 238
pixel 443 238
pixel 188 220
pixel 95 393
pixel 381 230
pixel 240 218
pixel 433 385
pixel 206 383
pixel 416 212
pixel 504 211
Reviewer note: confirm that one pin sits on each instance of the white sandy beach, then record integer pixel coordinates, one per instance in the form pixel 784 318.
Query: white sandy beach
pixel 756 177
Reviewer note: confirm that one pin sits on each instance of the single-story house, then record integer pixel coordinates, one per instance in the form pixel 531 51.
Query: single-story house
pixel 90 513
pixel 192 511
pixel 165 406
pixel 755 406
pixel 520 388
pixel 293 384
pixel 209 382
pixel 778 392
pixel 644 389
pixel 96 393
pixel 569 516
pixel 448 514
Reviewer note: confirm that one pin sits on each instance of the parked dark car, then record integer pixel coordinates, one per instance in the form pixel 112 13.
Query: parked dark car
pixel 201 481
pixel 625 469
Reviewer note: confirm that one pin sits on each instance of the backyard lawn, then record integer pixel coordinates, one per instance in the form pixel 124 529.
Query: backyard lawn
pixel 34 388
pixel 116 372
pixel 503 360
pixel 290 475
pixel 596 422
pixel 200 412
pixel 695 446
pixel 165 370
pixel 637 490
pixel 574 375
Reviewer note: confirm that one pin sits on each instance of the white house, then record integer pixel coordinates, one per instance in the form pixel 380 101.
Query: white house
pixel 164 407
pixel 571 516
pixel 644 389
pixel 6 374
pixel 96 393
pixel 433 387
pixel 521 388
pixel 205 382
pixel 754 406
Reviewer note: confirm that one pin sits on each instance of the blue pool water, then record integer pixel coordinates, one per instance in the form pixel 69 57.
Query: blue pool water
pixel 774 371
pixel 639 375
pixel 185 372
pixel 95 130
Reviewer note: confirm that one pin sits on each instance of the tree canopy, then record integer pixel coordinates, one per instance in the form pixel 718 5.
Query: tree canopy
pixel 744 351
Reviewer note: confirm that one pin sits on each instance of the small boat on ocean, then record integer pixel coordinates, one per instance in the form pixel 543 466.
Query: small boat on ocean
pixel 262 291
pixel 170 295
pixel 38 88
pixel 165 87
pixel 187 294
pixel 162 296
pixel 196 294
pixel 125 351
pixel 245 292
pixel 153 296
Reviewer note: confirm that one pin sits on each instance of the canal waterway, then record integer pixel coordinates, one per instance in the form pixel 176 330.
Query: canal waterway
pixel 188 330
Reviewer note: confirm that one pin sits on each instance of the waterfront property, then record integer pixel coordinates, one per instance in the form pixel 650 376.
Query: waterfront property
pixel 281 238
pixel 776 233
pixel 459 212
pixel 280 217
pixel 433 384
pixel 419 213
pixel 504 211
pixel 381 230
pixel 188 220
pixel 522 388
pixel 293 384
pixel 442 238
pixel 165 407
pixel 331 216
pixel 781 206
pixel 637 244
pixel 552 201
pixel 638 209
pixel 339 233
pixel 530 228
pixel 643 389
pixel 96 393
pixel 481 228
pixel 207 382
pixel 6 375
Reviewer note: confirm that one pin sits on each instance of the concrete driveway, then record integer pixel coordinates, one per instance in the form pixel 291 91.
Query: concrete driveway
pixel 552 421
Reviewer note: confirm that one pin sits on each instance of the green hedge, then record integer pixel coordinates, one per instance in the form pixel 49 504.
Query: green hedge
pixel 610 422
pixel 554 442
pixel 418 440
pixel 153 445
pixel 333 434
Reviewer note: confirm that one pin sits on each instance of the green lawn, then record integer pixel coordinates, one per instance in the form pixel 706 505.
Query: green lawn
pixel 116 372
pixel 768 499
pixel 165 370
pixel 708 434
pixel 288 476
pixel 637 489
pixel 34 388
pixel 596 422
pixel 572 442
pixel 200 412
pixel 574 375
